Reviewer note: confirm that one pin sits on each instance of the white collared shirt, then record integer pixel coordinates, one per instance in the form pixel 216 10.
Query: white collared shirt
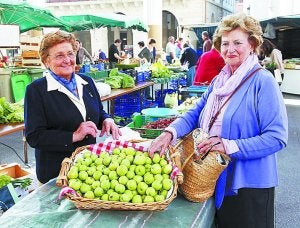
pixel 53 84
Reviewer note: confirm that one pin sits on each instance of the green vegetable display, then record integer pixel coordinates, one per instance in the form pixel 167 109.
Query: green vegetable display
pixel 22 183
pixel 10 112
pixel 160 71
pixel 118 80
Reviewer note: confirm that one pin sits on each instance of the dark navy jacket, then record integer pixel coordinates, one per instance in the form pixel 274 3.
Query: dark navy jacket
pixel 50 120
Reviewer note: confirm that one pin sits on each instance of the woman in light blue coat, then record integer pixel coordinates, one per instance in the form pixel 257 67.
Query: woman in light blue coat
pixel 251 127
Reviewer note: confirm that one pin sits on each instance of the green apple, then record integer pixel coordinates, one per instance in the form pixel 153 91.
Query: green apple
pixel 72 174
pixel 79 160
pixel 89 195
pixel 106 171
pixel 167 184
pixel 156 169
pixel 163 162
pixel 113 196
pixel 109 191
pixel 122 155
pixel 148 160
pixel 122 170
pixel 156 158
pixel 126 162
pixel 113 175
pixel 123 180
pixel 113 165
pixel 158 177
pixel 100 167
pixel 82 168
pixel 164 193
pixel 95 184
pixel 137 199
pixel 146 154
pixel 104 197
pixel 129 193
pixel 147 167
pixel 89 180
pixel 125 198
pixel 116 151
pixel 134 192
pixel 75 184
pixel 85 188
pixel 141 188
pixel 91 170
pixel 139 159
pixel 148 199
pixel 129 151
pixel 150 191
pixel 98 192
pixel 148 178
pixel 157 185
pixel 140 170
pixel 94 157
pixel 104 154
pixel 131 184
pixel 74 169
pixel 87 161
pixel 167 169
pixel 103 178
pixel 159 198
pixel 138 178
pixel 97 174
pixel 82 175
pixel 120 188
pixel 113 183
pixel 130 158
pixel 130 174
pixel 106 161
pixel 165 176
pixel 132 168
pixel 98 161
pixel 86 153
pixel 105 185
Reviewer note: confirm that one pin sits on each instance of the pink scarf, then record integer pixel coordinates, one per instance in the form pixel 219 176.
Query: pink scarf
pixel 224 85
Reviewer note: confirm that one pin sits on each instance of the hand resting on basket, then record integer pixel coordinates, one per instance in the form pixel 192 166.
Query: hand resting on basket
pixel 161 143
pixel 211 143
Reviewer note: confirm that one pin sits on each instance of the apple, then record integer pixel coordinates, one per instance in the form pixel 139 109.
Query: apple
pixel 150 191
pixel 148 199
pixel 132 168
pixel 167 169
pixel 159 198
pixel 85 188
pixel 104 197
pixel 113 175
pixel 138 178
pixel 122 170
pixel 158 177
pixel 129 193
pixel 86 153
pixel 122 155
pixel 75 184
pixel 167 184
pixel 104 154
pixel 113 183
pixel 113 196
pixel 110 191
pixel 95 184
pixel 94 157
pixel 134 192
pixel 100 167
pixel 156 169
pixel 125 198
pixel 148 178
pixel 106 161
pixel 79 160
pixel 130 158
pixel 106 171
pixel 83 175
pixel 103 178
pixel 89 195
pixel 131 184
pixel 141 188
pixel 126 162
pixel 140 170
pixel 82 168
pixel 156 158
pixel 98 192
pixel 137 199
pixel 116 151
pixel 163 162
pixel 148 161
pixel 129 151
pixel 91 170
pixel 89 180
pixel 130 174
pixel 98 161
pixel 72 174
pixel 74 169
pixel 105 185
pixel 165 176
pixel 113 165
pixel 87 161
pixel 139 159
pixel 164 193
pixel 157 185
pixel 123 180
pixel 120 188
pixel 97 174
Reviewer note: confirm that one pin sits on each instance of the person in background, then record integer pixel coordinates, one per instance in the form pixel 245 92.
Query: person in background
pixel 272 55
pixel 208 66
pixel 145 54
pixel 152 49
pixel 113 53
pixel 170 50
pixel 82 53
pixel 189 57
pixel 102 55
pixel 244 127
pixel 178 47
pixel 207 44
pixel 62 110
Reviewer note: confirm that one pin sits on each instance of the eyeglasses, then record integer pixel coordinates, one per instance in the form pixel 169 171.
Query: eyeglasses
pixel 61 57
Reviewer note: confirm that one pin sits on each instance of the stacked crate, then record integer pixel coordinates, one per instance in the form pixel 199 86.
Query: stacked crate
pixel 30 51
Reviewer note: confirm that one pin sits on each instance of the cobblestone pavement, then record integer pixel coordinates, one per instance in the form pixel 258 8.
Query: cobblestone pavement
pixel 287 193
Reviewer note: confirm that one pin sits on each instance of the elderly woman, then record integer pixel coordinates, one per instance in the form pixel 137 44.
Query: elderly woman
pixel 63 110
pixel 250 126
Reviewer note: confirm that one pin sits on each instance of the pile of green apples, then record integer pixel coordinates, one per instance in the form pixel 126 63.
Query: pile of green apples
pixel 125 175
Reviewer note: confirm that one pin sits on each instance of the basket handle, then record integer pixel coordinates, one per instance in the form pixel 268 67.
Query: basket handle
pixel 61 179
pixel 177 161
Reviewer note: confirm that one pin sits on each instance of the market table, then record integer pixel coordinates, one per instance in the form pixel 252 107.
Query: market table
pixel 41 208
pixel 119 92
pixel 6 129
pixel 291 81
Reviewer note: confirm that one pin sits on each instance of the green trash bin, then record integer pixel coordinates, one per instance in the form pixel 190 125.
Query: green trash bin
pixel 19 81
pixel 5 85
pixel 35 73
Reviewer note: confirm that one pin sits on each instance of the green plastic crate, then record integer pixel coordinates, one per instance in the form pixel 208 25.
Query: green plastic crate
pixel 19 81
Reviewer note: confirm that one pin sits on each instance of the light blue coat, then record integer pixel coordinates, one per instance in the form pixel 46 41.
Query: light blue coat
pixel 256 119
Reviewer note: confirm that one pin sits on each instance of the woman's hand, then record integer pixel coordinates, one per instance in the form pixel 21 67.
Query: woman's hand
pixel 84 129
pixel 213 142
pixel 160 143
pixel 109 127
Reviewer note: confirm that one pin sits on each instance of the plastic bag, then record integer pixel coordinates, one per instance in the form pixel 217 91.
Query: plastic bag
pixel 8 197
pixel 171 100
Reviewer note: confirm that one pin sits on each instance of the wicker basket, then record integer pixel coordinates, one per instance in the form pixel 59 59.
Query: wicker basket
pixel 199 176
pixel 84 203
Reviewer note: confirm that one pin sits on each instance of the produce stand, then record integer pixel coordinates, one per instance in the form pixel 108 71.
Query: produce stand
pixel 291 81
pixel 48 211
pixel 6 129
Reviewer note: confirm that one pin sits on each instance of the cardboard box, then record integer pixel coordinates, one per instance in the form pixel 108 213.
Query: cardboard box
pixel 14 170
